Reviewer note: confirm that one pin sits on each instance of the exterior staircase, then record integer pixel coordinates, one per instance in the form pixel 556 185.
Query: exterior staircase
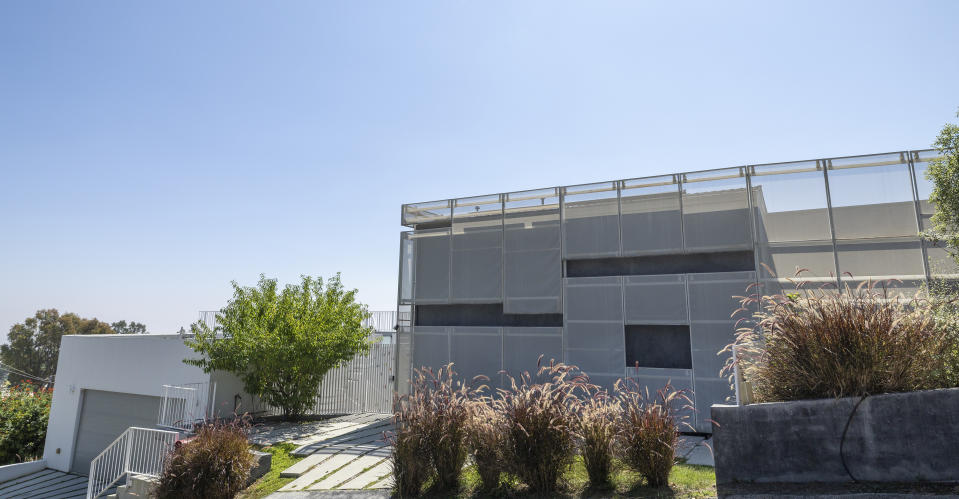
pixel 132 462
pixel 137 486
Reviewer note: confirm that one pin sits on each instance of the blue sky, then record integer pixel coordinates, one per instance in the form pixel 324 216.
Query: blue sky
pixel 152 152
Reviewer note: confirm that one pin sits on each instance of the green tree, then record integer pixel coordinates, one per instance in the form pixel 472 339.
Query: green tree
pixel 121 327
pixel 944 174
pixel 281 342
pixel 33 346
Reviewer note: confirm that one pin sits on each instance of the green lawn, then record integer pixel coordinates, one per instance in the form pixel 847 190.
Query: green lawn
pixel 271 482
pixel 684 481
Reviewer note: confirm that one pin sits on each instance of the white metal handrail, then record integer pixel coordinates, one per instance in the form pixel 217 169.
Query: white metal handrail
pixel 182 406
pixel 140 451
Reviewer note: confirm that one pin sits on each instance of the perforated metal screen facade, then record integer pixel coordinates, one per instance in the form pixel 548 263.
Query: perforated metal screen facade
pixel 844 220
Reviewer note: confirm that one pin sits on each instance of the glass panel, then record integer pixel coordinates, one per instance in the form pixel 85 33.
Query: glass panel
pixel 477 249
pixel 651 379
pixel 477 351
pixel 716 210
pixel 431 347
pixel 435 213
pixel 657 299
pixel 522 347
pixel 431 282
pixel 924 185
pixel 651 218
pixel 591 214
pixel 872 197
pixel 595 340
pixel 941 264
pixel 403 360
pixel 406 268
pixel 710 391
pixel 533 254
pixel 706 341
pixel 792 222
pixel 880 260
pixel 713 296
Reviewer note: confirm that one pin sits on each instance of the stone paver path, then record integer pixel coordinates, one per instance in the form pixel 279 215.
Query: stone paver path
pixel 347 452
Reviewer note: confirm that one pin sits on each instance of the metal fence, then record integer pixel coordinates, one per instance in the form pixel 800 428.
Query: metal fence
pixel 364 384
pixel 138 451
pixel 182 406
pixel 382 321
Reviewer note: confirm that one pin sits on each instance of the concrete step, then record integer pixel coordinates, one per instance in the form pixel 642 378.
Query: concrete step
pixel 141 485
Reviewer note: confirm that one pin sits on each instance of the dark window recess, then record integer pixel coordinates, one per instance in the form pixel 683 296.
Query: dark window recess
pixel 658 346
pixel 486 314
pixel 693 263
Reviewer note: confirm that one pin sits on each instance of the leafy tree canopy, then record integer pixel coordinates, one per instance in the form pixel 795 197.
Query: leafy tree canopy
pixel 944 174
pixel 121 327
pixel 281 342
pixel 33 346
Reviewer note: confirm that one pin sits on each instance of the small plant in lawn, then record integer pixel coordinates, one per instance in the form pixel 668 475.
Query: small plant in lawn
pixel 486 440
pixel 538 417
pixel 596 428
pixel 648 429
pixel 215 464
pixel 432 423
pixel 819 343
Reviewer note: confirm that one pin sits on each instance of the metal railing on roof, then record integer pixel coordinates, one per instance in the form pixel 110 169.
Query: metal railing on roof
pixel 382 321
pixel 442 211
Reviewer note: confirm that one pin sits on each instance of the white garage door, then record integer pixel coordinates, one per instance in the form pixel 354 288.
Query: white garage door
pixel 103 417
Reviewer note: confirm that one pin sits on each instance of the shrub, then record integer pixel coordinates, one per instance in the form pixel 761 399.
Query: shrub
pixel 215 464
pixel 486 440
pixel 538 418
pixel 409 455
pixel 24 411
pixel 821 344
pixel 281 342
pixel 648 430
pixel 596 427
pixel 433 419
pixel 944 303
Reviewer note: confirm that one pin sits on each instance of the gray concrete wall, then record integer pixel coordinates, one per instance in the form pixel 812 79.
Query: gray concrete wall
pixel 901 437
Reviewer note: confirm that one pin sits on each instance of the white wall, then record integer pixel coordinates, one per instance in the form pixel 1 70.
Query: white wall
pixel 138 364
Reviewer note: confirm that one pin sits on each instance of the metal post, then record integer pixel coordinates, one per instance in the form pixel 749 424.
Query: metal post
pixel 915 199
pixel 129 449
pixel 754 227
pixel 211 404
pixel 682 217
pixel 619 215
pixel 561 191
pixel 826 165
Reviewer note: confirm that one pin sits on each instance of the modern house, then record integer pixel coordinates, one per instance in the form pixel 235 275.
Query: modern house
pixel 637 278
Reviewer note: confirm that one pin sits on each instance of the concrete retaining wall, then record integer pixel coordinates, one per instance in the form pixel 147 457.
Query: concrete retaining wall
pixel 901 437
